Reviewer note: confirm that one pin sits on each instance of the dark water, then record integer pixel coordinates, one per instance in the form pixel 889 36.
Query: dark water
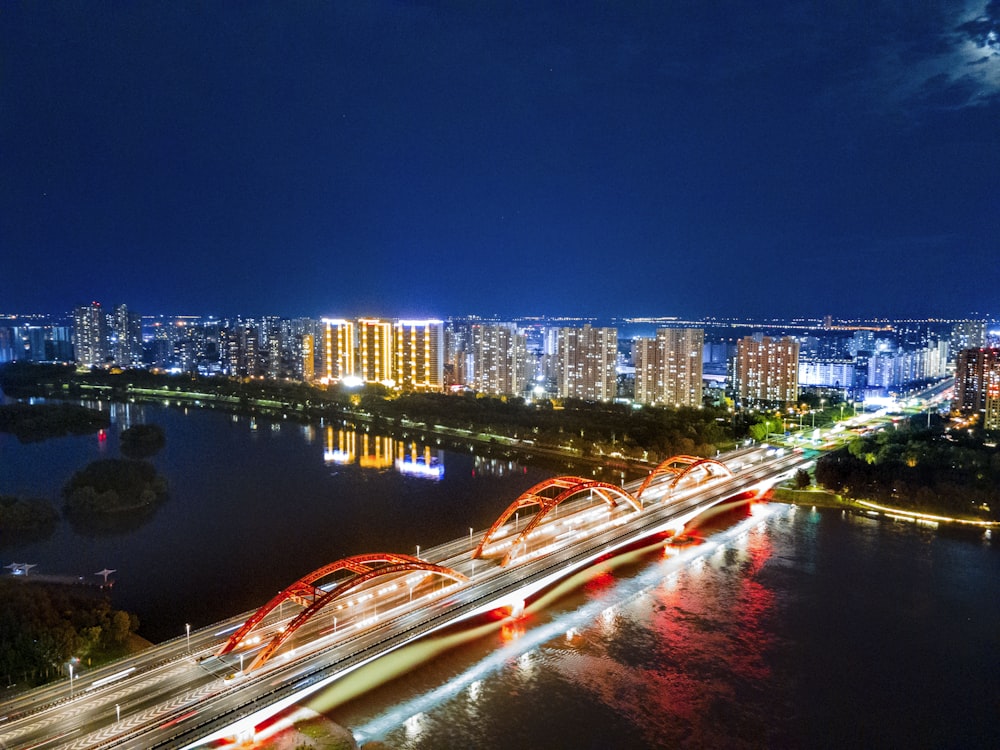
pixel 811 629
pixel 794 629
pixel 253 505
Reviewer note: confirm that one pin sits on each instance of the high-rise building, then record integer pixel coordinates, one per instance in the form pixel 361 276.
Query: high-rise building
pixel 977 385
pixel 338 349
pixel 419 364
pixel 585 366
pixel 90 339
pixel 498 362
pixel 767 370
pixel 668 369
pixel 375 352
pixel 126 339
pixel 967 334
pixel 305 369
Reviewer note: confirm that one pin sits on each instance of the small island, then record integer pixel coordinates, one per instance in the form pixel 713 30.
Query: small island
pixel 142 441
pixel 114 486
pixel 25 513
pixel 34 422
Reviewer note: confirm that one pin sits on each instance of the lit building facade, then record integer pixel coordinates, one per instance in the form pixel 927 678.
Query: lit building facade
pixel 497 360
pixel 585 363
pixel 338 349
pixel 375 352
pixel 767 370
pixel 126 342
pixel 668 369
pixel 90 340
pixel 305 367
pixel 827 373
pixel 419 363
pixel 977 385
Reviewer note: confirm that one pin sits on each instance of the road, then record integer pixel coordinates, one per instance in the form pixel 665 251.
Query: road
pixel 177 693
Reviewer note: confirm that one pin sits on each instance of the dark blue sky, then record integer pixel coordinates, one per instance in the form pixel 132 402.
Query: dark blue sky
pixel 661 158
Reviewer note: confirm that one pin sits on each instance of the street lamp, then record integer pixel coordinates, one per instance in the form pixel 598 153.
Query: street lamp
pixel 70 665
pixel 187 628
pixel 118 712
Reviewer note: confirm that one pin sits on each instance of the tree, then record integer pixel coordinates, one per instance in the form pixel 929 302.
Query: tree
pixel 142 441
pixel 801 479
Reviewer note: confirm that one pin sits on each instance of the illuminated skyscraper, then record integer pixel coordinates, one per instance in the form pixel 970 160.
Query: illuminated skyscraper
pixel 127 337
pixel 338 349
pixel 977 385
pixel 967 334
pixel 498 360
pixel 90 340
pixel 668 368
pixel 767 370
pixel 375 352
pixel 419 364
pixel 304 367
pixel 585 363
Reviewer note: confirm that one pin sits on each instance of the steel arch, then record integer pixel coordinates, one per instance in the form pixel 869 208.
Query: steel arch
pixel 680 467
pixel 314 598
pixel 568 487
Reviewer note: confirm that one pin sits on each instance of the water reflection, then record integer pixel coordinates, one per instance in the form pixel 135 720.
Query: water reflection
pixel 656 651
pixel 381 452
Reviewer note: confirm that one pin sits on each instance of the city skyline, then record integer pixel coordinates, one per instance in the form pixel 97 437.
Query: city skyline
pixel 577 160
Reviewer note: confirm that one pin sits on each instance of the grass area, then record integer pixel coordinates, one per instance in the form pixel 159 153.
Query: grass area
pixel 812 496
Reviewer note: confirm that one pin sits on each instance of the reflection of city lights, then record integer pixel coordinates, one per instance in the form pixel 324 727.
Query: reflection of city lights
pixel 432 470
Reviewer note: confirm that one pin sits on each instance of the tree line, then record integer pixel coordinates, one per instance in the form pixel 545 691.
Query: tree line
pixel 927 470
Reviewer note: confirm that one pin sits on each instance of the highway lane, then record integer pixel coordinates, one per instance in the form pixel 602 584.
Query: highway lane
pixel 169 691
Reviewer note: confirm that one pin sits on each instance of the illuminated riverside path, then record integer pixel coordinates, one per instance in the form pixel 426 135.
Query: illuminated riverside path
pixel 216 686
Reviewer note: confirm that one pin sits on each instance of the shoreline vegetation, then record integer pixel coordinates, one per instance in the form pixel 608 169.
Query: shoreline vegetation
pixel 614 437
pixel 34 422
pixel 608 435
pixel 45 625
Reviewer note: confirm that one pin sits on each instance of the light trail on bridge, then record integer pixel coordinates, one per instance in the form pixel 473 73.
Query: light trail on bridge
pixel 194 701
pixel 622 593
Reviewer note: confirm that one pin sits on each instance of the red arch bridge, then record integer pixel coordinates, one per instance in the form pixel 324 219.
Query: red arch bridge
pixel 352 576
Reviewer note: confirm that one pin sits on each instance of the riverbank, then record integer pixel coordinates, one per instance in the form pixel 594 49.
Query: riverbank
pixel 820 498
pixel 487 444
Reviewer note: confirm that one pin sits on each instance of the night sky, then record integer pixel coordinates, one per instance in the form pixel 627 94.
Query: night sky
pixel 409 159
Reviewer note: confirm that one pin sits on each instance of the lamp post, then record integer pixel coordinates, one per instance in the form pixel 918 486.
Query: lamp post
pixel 118 712
pixel 70 665
pixel 187 630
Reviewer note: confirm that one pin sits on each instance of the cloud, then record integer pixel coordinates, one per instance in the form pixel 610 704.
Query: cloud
pixel 962 69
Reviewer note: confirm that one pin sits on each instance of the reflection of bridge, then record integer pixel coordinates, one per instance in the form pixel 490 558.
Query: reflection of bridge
pixel 354 611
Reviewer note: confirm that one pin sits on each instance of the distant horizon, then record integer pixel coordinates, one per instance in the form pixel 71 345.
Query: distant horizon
pixel 640 318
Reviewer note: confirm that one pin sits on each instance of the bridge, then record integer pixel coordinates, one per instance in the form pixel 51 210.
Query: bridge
pixel 219 683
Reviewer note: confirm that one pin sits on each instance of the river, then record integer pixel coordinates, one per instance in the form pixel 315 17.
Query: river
pixel 781 628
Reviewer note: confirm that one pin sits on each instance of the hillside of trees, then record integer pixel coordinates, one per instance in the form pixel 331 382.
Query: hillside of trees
pixel 936 471
pixel 43 626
